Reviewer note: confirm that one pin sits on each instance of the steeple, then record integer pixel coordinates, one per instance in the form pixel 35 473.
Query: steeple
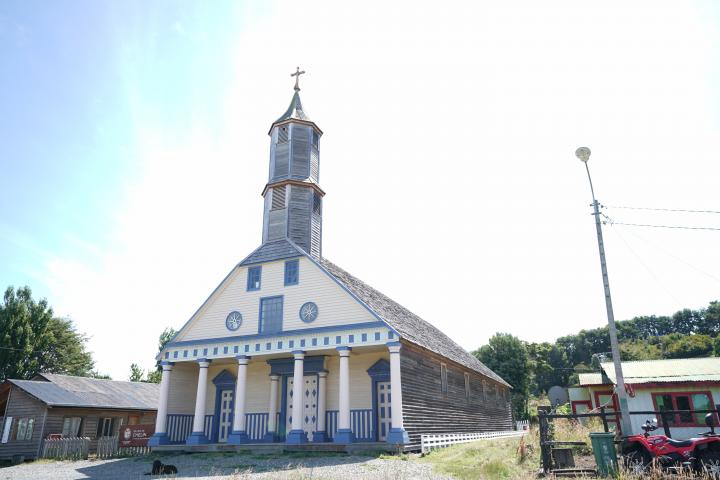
pixel 293 197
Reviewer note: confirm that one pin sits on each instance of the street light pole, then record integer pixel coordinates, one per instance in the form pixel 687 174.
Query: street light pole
pixel 583 153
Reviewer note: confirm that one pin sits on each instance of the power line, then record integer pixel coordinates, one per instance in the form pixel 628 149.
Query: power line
pixel 672 255
pixel 646 267
pixel 663 209
pixel 678 227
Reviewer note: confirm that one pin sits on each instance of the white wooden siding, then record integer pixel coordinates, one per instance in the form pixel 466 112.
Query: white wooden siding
pixel 183 384
pixel 183 387
pixel 336 306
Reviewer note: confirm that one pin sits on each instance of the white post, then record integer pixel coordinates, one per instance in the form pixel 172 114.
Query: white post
pixel 397 431
pixel 297 434
pixel 344 434
pixel 320 435
pixel 198 432
pixel 239 435
pixel 271 434
pixel 160 436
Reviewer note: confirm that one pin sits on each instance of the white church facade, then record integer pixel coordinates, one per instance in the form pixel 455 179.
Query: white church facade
pixel 291 348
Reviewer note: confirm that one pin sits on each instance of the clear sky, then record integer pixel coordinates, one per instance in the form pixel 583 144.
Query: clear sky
pixel 133 149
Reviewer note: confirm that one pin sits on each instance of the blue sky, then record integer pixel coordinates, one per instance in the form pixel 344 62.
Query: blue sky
pixel 133 150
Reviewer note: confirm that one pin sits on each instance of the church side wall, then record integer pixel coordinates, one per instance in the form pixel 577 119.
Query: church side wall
pixel 426 410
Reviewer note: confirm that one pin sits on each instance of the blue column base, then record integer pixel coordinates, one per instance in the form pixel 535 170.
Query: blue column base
pixel 344 435
pixel 320 437
pixel 397 436
pixel 197 438
pixel 296 437
pixel 238 438
pixel 270 437
pixel 158 439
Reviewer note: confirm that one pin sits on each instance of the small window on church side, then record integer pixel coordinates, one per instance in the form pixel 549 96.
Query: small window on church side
pixel 316 139
pixel 253 278
pixel 443 379
pixel 282 134
pixel 467 386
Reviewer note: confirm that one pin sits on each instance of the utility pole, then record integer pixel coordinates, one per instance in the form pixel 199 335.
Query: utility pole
pixel 583 153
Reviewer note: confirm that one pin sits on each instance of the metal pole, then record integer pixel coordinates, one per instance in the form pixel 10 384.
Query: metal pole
pixel 620 381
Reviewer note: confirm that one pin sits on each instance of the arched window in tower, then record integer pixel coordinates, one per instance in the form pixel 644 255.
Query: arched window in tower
pixel 315 139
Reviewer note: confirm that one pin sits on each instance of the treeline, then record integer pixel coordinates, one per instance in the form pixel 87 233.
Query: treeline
pixel 532 368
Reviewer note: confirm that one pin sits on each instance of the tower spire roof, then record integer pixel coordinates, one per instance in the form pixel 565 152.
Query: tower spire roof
pixel 295 110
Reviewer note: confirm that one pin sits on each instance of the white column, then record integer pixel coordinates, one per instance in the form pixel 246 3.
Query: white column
pixel 344 434
pixel 160 435
pixel 198 431
pixel 296 434
pixel 239 435
pixel 397 431
pixel 273 407
pixel 320 435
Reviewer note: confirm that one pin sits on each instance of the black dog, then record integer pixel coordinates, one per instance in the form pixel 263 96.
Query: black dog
pixel 159 468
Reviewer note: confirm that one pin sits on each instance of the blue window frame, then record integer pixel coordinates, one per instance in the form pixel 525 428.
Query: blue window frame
pixel 292 272
pixel 253 278
pixel 271 314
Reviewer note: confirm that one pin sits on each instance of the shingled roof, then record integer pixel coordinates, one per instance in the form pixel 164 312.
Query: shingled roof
pixel 410 327
pixel 67 391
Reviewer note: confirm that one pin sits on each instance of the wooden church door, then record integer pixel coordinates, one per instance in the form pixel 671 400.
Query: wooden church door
pixel 309 404
pixel 226 415
pixel 384 412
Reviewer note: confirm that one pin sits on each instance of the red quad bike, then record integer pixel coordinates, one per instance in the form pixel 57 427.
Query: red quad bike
pixel 701 454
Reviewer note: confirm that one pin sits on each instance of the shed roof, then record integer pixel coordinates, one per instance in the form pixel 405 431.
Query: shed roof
pixel 57 390
pixel 595 378
pixel 664 371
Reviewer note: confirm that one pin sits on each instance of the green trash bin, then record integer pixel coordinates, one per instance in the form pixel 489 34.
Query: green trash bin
pixel 603 445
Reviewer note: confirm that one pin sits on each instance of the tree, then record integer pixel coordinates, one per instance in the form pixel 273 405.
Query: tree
pixel 137 374
pixel 32 340
pixel 507 356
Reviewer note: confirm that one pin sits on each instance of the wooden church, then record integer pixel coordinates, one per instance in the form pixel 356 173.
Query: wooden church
pixel 292 348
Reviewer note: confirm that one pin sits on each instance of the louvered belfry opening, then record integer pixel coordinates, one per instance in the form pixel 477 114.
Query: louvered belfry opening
pixel 293 198
pixel 278 198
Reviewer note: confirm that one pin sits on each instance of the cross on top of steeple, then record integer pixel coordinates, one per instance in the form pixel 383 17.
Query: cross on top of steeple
pixel 297 74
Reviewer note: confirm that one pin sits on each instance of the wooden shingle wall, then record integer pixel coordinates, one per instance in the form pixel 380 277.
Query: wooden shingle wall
pixel 426 410
pixel 22 405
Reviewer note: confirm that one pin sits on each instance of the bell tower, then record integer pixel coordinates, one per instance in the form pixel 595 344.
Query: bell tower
pixel 293 197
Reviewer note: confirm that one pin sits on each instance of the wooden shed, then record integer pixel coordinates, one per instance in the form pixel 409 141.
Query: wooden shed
pixel 52 404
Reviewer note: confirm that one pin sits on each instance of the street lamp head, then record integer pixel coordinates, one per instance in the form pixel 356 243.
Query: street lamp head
pixel 583 153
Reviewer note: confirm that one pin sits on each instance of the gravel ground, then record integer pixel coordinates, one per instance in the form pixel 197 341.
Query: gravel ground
pixel 228 466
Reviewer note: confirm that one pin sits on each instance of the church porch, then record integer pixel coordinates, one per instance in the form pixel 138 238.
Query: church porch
pixel 224 404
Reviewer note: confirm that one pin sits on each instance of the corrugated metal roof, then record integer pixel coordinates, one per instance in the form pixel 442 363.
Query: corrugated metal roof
pixel 69 391
pixel 672 370
pixel 590 378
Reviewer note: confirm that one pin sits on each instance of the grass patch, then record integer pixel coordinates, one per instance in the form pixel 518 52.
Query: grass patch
pixel 485 459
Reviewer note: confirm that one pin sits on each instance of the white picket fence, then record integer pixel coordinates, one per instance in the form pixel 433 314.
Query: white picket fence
pixel 107 447
pixel 522 425
pixel 71 448
pixel 429 442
